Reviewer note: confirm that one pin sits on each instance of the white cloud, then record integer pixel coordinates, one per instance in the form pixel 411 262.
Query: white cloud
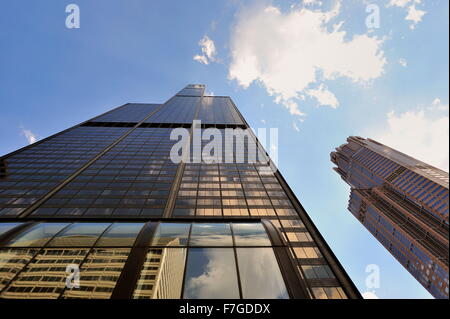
pixel 291 53
pixel 422 134
pixel 403 62
pixel 295 127
pixel 201 59
pixel 324 96
pixel 399 3
pixel 369 295
pixel 414 15
pixel 214 281
pixel 209 51
pixel 437 105
pixel 30 136
pixel 312 2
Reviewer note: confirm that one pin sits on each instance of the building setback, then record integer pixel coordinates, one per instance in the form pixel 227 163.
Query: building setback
pixel 403 202
pixel 102 211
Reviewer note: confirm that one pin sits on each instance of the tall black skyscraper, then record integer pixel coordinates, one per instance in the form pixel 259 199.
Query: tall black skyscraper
pixel 105 203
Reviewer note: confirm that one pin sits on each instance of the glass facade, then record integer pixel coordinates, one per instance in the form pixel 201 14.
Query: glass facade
pixel 404 203
pixel 104 205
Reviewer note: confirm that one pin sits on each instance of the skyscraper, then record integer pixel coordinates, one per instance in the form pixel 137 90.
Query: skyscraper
pixel 403 202
pixel 102 210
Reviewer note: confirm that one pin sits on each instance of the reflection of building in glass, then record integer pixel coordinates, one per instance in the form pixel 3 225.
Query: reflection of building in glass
pixel 99 273
pixel 162 273
pixel 117 168
pixel 45 276
pixel 404 203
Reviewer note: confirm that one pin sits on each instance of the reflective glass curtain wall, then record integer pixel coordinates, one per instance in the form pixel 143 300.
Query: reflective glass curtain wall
pixel 106 197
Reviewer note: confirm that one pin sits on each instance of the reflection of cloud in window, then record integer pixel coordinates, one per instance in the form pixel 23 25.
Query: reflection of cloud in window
pixel 260 274
pixel 218 279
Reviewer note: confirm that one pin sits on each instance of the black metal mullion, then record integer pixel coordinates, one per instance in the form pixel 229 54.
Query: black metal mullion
pixel 188 248
pixel 241 293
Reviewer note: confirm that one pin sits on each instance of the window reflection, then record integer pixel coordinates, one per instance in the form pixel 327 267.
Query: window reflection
pixel 211 274
pixel 99 274
pixel 5 227
pixel 250 234
pixel 162 274
pixel 211 235
pixel 79 235
pixel 37 235
pixel 45 277
pixel 171 234
pixel 260 275
pixel 11 262
pixel 120 234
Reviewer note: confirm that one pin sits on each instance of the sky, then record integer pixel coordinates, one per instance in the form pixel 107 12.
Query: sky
pixel 319 71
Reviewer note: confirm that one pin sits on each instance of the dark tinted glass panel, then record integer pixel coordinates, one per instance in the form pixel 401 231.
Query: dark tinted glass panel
pixel 211 235
pixel 260 274
pixel 37 235
pixel 211 274
pixel 250 235
pixel 177 110
pixel 79 234
pixel 4 227
pixel 133 112
pixel 120 234
pixel 171 234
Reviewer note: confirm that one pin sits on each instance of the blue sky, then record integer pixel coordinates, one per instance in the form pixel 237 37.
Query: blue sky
pixel 312 69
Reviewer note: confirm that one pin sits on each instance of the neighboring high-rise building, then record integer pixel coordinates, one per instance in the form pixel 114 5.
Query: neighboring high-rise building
pixel 102 210
pixel 403 202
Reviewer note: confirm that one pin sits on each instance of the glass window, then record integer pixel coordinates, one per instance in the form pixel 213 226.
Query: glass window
pixel 79 235
pixel 45 277
pixel 99 273
pixel 251 234
pixel 120 234
pixel 12 261
pixel 260 274
pixel 211 274
pixel 162 274
pixel 211 235
pixel 171 234
pixel 5 227
pixel 36 236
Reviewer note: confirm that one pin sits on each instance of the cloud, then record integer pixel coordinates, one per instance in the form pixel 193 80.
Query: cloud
pixel 323 96
pixel 423 134
pixel 216 278
pixel 30 136
pixel 209 51
pixel 292 53
pixel 295 127
pixel 413 14
pixel 369 295
pixel 403 62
